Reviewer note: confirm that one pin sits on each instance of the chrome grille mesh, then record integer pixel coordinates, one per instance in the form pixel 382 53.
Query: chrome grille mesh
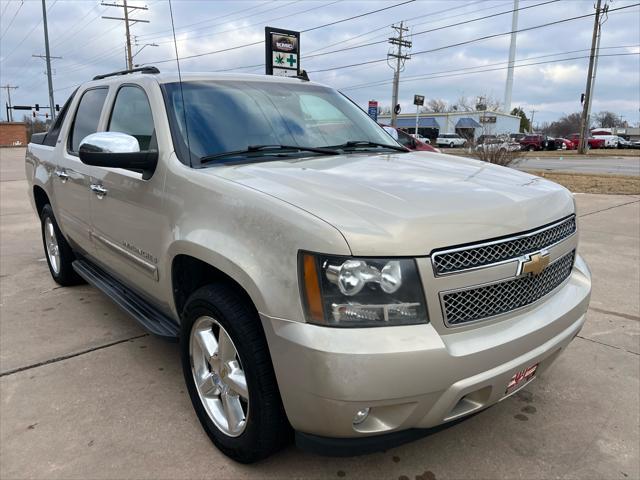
pixel 472 257
pixel 498 298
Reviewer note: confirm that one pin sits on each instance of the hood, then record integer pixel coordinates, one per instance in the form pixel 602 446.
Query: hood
pixel 408 203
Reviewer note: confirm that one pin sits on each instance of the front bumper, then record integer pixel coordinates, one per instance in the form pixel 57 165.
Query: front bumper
pixel 415 377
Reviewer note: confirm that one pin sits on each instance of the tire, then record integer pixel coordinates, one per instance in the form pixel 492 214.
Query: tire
pixel 451 145
pixel 531 148
pixel 215 311
pixel 57 250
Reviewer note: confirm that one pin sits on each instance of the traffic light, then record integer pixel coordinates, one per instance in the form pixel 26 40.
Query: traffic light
pixel 37 107
pixel 582 99
pixel 57 107
pixel 34 114
pixel 46 116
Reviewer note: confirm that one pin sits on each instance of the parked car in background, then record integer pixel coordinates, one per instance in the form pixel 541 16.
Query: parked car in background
pixel 420 137
pixel 516 137
pixel 498 145
pixel 610 141
pixel 592 141
pixel 537 142
pixel 624 143
pixel 408 141
pixel 486 139
pixel 451 140
pixel 564 144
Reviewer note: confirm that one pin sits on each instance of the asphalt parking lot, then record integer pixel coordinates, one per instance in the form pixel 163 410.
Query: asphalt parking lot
pixel 85 393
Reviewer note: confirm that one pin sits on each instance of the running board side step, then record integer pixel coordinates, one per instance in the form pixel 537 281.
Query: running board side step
pixel 148 316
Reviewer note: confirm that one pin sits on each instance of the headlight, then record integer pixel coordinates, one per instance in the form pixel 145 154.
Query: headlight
pixel 361 292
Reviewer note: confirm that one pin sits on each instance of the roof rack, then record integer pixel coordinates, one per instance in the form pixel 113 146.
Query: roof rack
pixel 126 72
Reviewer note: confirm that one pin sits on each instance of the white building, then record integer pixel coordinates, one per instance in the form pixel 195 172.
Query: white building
pixel 467 124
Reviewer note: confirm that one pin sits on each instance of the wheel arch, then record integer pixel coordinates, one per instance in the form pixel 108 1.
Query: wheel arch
pixel 194 269
pixel 40 198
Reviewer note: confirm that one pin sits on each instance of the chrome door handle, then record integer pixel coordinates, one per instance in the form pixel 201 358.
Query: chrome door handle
pixel 99 190
pixel 62 175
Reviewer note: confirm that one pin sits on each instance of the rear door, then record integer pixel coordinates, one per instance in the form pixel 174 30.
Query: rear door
pixel 130 226
pixel 71 183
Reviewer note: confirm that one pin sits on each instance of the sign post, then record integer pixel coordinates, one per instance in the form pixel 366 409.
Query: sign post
pixel 282 52
pixel 373 110
pixel 418 101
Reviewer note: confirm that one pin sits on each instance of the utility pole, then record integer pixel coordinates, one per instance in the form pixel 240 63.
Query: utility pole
pixel 397 65
pixel 8 88
pixel 584 120
pixel 512 58
pixel 48 58
pixel 128 22
pixel 533 112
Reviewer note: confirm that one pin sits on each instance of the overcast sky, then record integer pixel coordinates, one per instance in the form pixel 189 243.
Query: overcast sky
pixel 90 45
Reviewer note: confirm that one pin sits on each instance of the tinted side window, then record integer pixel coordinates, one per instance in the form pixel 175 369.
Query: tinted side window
pixel 132 115
pixel 87 116
pixel 52 135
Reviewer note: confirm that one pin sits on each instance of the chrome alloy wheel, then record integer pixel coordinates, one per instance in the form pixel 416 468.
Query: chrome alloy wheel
pixel 218 375
pixel 51 243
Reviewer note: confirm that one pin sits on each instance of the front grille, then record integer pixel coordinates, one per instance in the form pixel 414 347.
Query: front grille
pixel 465 306
pixel 474 256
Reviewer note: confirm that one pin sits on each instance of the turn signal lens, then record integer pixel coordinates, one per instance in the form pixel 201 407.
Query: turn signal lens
pixel 312 293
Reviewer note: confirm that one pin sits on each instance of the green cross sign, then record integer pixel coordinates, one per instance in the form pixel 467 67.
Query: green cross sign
pixel 291 60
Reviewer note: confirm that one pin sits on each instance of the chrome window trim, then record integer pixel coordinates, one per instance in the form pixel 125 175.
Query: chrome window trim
pixel 510 312
pixel 437 253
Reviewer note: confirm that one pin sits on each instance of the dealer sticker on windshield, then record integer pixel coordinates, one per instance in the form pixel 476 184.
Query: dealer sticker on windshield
pixel 520 378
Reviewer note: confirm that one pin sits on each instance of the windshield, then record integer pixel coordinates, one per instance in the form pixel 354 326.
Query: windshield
pixel 232 116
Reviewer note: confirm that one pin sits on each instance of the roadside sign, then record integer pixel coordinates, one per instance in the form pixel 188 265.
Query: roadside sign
pixel 418 100
pixel 282 52
pixel 373 110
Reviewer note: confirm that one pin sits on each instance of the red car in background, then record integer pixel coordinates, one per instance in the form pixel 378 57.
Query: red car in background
pixel 593 142
pixel 565 144
pixel 406 140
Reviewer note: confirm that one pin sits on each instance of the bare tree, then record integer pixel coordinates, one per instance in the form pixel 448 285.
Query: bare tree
pixel 435 105
pixel 608 119
pixel 565 125
pixel 472 104
pixel 464 104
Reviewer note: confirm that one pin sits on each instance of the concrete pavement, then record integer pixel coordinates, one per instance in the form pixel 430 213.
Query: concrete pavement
pixel 85 393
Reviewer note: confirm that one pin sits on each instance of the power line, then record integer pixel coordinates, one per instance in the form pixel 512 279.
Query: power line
pixel 357 16
pixel 12 19
pixel 308 57
pixel 261 22
pixel 467 42
pixel 385 81
pixel 444 74
pixel 155 35
pixel 262 41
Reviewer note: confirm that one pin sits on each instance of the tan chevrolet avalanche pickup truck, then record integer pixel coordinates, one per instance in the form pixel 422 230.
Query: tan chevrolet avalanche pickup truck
pixel 324 282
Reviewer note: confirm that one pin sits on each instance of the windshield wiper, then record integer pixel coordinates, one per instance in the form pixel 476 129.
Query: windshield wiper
pixel 366 143
pixel 267 149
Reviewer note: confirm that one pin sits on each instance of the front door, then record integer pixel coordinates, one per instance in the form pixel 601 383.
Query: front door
pixel 129 225
pixel 71 184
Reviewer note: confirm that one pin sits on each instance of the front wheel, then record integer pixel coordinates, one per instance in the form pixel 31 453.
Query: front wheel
pixel 229 375
pixel 57 250
pixel 451 145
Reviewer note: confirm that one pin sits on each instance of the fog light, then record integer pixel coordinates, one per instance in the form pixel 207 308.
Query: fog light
pixel 361 416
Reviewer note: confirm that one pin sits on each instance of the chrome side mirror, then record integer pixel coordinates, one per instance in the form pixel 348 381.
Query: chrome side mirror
pixel 110 142
pixel 117 150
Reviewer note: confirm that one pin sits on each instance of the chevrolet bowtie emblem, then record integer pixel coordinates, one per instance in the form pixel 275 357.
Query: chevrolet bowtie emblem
pixel 534 263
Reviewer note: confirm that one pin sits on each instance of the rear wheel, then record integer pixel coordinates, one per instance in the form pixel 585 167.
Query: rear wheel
pixel 451 145
pixel 57 250
pixel 229 375
pixel 531 148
